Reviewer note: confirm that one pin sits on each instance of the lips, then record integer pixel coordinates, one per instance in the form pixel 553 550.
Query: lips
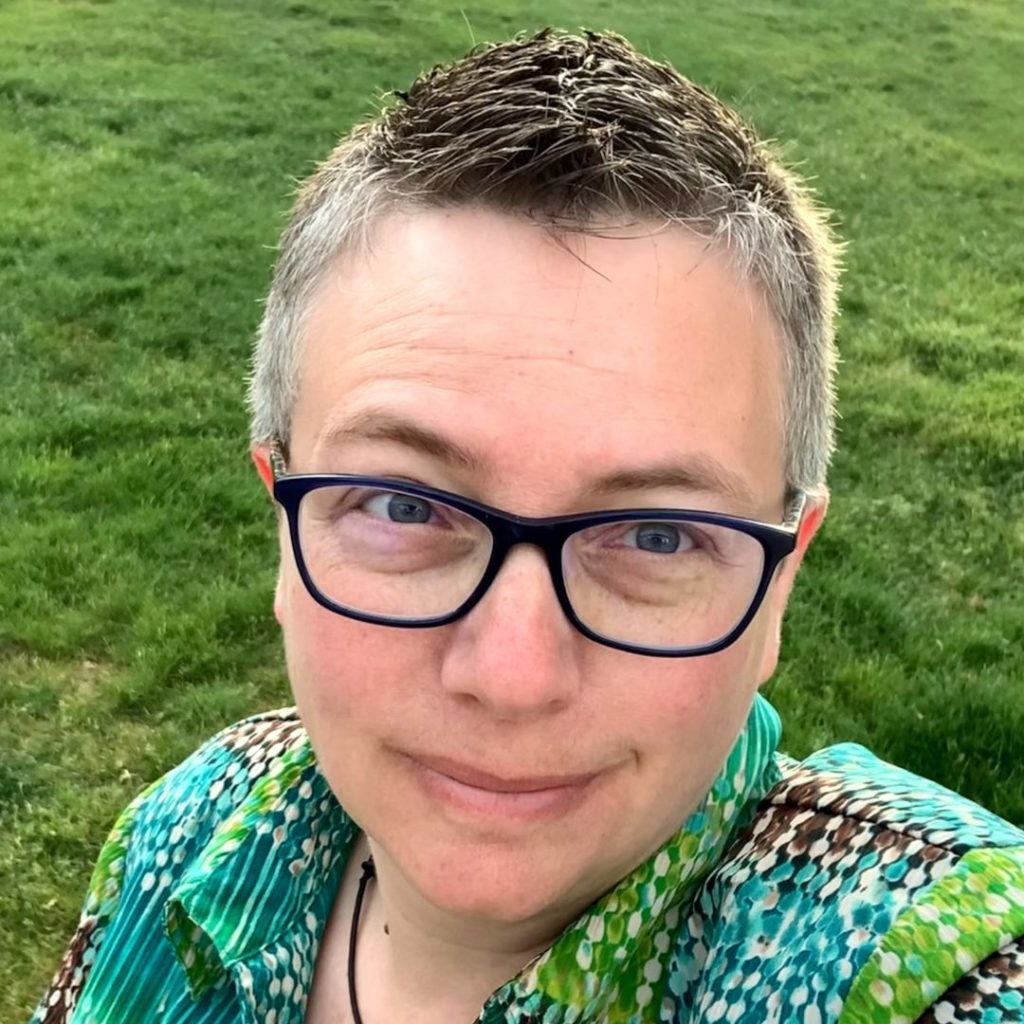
pixel 465 792
pixel 478 779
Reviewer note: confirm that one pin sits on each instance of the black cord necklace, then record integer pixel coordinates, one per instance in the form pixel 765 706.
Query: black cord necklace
pixel 368 872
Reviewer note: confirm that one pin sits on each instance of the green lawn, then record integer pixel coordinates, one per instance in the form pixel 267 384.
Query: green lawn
pixel 147 152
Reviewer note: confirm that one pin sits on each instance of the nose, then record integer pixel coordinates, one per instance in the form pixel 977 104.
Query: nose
pixel 516 653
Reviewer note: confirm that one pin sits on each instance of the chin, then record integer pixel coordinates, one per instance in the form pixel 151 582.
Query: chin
pixel 499 882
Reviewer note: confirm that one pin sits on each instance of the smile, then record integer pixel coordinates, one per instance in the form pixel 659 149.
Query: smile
pixel 464 789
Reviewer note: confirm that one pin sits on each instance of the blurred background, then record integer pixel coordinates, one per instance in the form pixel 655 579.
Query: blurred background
pixel 148 153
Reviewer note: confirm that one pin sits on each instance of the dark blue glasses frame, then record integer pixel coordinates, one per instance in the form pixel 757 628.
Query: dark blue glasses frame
pixel 549 534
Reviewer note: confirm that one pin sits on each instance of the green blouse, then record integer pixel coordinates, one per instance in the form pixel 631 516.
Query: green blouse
pixel 842 889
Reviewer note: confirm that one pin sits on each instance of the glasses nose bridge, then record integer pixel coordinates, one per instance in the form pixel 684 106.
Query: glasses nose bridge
pixel 548 537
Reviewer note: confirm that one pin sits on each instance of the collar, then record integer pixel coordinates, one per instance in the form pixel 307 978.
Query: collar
pixel 273 868
pixel 274 865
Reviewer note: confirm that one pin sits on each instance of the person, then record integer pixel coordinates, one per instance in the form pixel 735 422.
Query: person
pixel 544 394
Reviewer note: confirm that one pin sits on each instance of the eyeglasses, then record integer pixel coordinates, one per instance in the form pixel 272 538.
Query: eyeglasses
pixel 660 582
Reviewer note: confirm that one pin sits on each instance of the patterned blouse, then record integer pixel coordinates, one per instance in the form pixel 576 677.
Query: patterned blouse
pixel 840 889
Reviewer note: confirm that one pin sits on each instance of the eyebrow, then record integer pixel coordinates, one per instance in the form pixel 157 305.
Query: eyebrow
pixel 377 425
pixel 696 472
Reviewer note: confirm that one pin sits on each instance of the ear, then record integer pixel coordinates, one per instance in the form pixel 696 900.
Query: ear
pixel 261 460
pixel 782 585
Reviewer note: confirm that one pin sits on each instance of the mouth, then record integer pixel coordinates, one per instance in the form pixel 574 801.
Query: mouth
pixel 464 789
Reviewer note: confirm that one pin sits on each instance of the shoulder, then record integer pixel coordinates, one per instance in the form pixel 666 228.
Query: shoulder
pixel 176 816
pixel 163 828
pixel 848 782
pixel 238 754
pixel 845 822
pixel 849 868
pixel 208 785
pixel 158 837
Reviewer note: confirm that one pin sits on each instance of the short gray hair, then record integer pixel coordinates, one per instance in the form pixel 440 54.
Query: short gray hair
pixel 567 129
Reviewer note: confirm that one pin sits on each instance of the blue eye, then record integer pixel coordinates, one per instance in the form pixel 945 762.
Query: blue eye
pixel 659 538
pixel 400 508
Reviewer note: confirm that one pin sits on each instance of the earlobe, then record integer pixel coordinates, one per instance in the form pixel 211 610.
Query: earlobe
pixel 261 460
pixel 279 598
pixel 770 652
pixel 810 522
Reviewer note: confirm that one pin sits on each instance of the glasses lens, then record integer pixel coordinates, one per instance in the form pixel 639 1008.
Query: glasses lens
pixel 662 584
pixel 389 553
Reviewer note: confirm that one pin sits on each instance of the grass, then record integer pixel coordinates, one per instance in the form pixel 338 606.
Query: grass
pixel 147 152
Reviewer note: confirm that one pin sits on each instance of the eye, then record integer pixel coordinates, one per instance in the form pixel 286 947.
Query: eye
pixel 399 508
pixel 659 538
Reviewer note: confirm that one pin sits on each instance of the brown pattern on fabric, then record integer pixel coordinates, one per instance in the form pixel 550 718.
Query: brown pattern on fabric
pixel 805 786
pixel 832 844
pixel 829 862
pixel 70 977
pixel 259 741
pixel 982 993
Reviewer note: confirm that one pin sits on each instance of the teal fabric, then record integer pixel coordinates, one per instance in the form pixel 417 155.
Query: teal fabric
pixel 791 886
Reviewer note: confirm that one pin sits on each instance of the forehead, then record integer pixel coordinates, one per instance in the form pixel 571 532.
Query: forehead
pixel 552 359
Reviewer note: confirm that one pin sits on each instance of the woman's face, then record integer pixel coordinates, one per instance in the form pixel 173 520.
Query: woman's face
pixel 509 767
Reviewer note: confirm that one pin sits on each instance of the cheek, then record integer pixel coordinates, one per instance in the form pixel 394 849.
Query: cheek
pixel 686 706
pixel 358 689
pixel 356 685
pixel 686 724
